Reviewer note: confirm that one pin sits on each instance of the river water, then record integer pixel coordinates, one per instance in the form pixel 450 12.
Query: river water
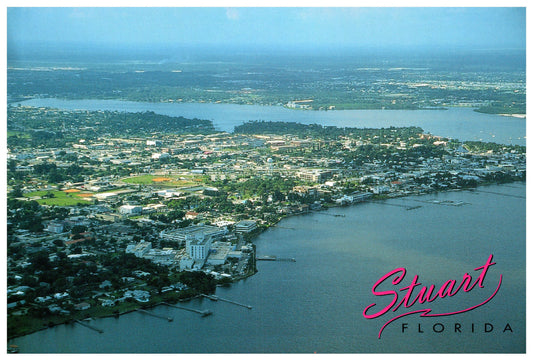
pixel 461 123
pixel 315 304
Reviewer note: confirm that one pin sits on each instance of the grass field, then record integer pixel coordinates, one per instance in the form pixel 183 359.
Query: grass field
pixel 61 198
pixel 18 134
pixel 160 180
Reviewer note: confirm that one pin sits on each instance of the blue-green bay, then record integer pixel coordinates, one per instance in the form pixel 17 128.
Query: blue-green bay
pixel 315 304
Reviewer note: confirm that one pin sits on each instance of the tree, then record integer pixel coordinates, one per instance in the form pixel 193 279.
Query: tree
pixel 16 192
pixel 40 261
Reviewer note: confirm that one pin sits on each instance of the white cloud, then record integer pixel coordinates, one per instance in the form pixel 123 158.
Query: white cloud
pixel 232 14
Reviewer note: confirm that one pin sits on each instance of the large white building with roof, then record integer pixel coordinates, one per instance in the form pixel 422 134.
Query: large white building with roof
pixel 194 232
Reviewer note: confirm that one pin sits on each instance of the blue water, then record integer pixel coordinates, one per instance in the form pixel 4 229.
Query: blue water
pixel 460 123
pixel 315 304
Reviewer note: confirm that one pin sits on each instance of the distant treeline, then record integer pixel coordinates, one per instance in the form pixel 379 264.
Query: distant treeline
pixel 483 147
pixel 316 130
pixel 49 127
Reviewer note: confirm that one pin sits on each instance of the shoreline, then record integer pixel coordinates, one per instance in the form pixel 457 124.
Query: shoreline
pixel 280 105
pixel 520 116
pixel 265 228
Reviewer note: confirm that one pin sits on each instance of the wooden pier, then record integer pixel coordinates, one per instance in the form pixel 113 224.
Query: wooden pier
pixel 155 315
pixel 212 298
pixel 407 207
pixel 274 258
pixel 203 313
pixel 498 193
pixel 216 298
pixel 335 215
pixel 89 326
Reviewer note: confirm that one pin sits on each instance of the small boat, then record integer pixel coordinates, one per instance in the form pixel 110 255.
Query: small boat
pixel 13 349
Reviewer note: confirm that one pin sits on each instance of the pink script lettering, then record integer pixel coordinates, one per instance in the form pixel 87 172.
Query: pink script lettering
pixel 425 294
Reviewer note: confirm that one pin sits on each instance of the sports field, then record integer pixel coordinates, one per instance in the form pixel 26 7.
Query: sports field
pixel 61 198
pixel 170 180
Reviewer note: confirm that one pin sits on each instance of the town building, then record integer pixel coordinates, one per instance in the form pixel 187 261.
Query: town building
pixel 245 226
pixel 194 232
pixel 140 249
pixel 198 249
pixel 130 210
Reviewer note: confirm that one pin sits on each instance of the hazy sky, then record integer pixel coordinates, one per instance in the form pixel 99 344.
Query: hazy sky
pixel 480 28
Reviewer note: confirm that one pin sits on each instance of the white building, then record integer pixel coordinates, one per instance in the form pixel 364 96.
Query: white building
pixel 165 256
pixel 186 262
pixel 245 226
pixel 160 156
pixel 55 227
pixel 169 193
pixel 130 210
pixel 194 232
pixel 198 249
pixel 138 295
pixel 219 253
pixel 140 249
pixel 380 189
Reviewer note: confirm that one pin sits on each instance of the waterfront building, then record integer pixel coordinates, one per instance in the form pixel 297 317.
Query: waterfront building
pixel 380 189
pixel 361 196
pixel 220 252
pixel 197 232
pixel 245 226
pixel 218 255
pixel 198 249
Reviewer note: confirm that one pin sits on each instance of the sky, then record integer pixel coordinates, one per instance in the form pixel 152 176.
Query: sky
pixel 383 27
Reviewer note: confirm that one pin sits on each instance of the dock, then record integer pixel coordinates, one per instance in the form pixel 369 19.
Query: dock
pixel 89 326
pixel 203 313
pixel 212 298
pixel 274 258
pixel 169 319
pixel 216 298
pixel 498 193
pixel 445 202
pixel 407 207
pixel 335 215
